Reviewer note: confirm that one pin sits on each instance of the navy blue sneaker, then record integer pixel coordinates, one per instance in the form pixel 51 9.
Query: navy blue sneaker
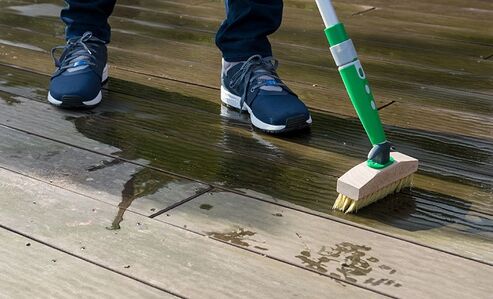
pixel 254 86
pixel 81 71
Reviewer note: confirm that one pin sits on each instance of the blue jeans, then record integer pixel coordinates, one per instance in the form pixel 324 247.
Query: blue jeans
pixel 243 33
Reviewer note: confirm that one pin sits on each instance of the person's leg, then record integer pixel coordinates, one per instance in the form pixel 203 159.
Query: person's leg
pixel 247 25
pixel 82 67
pixel 249 80
pixel 81 16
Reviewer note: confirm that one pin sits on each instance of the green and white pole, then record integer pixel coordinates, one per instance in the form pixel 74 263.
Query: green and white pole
pixel 356 83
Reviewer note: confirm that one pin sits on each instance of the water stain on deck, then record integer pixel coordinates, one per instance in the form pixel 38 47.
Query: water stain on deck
pixel 11 100
pixel 105 164
pixel 351 260
pixel 206 206
pixel 239 237
pixel 143 183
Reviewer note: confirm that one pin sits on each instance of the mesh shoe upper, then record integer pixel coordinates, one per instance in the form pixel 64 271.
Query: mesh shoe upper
pixel 79 70
pixel 259 87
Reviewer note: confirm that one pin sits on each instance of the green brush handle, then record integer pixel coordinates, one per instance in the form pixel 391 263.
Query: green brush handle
pixel 359 92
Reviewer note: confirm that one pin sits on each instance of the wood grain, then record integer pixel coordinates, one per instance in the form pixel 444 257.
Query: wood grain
pixel 222 159
pixel 168 257
pixel 31 269
pixel 395 267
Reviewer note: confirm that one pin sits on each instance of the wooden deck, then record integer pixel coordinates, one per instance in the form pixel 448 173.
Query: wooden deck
pixel 159 192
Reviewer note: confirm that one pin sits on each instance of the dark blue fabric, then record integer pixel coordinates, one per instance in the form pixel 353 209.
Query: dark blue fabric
pixel 242 35
pixel 247 25
pixel 88 15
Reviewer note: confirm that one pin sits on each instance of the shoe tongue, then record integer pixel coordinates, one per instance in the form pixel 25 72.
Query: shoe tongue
pixel 267 77
pixel 229 65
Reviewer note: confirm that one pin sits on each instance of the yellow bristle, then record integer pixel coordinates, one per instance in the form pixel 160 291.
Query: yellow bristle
pixel 348 205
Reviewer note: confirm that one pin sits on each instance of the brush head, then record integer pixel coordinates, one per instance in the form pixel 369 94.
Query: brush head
pixel 363 185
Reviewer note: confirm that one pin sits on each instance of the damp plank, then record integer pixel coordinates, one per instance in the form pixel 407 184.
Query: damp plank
pixel 395 267
pixel 472 10
pixel 33 269
pixel 456 216
pixel 123 184
pixel 463 111
pixel 465 184
pixel 320 151
pixel 170 258
pixel 319 75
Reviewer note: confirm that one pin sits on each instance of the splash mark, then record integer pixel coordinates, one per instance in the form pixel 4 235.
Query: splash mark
pixel 11 100
pixel 206 206
pixel 353 262
pixel 260 248
pixel 104 164
pixel 236 237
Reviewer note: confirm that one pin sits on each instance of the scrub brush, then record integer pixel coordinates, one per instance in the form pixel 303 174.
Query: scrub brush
pixel 385 172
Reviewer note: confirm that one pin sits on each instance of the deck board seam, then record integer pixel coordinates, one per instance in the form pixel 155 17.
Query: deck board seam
pixel 181 202
pixel 327 217
pixel 19 233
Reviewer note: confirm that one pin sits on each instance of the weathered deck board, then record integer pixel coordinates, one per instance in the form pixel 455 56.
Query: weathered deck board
pixel 28 164
pixel 427 59
pixel 168 257
pixel 221 159
pixel 471 124
pixel 35 143
pixel 395 267
pixel 322 145
pixel 470 10
pixel 33 270
pixel 129 186
pixel 422 71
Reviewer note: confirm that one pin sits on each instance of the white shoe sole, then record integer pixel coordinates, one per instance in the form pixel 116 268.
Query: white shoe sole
pixel 231 100
pixel 90 103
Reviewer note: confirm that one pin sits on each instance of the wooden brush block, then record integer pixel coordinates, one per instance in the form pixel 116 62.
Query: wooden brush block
pixel 362 180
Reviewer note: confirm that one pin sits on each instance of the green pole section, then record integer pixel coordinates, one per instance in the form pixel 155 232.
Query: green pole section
pixel 336 34
pixel 356 83
pixel 358 88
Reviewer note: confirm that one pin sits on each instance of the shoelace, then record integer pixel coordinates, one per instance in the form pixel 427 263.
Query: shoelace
pixel 76 51
pixel 249 72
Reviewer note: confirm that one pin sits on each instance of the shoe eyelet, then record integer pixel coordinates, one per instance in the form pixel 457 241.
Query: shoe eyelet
pixel 251 90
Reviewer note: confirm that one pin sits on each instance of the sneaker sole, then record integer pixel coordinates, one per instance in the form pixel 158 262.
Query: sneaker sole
pixel 84 104
pixel 293 124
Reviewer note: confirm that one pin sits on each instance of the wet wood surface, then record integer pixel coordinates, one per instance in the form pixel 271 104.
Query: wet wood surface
pixel 299 171
pixel 163 138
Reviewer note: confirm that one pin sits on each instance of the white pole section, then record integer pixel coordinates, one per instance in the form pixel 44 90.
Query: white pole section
pixel 328 13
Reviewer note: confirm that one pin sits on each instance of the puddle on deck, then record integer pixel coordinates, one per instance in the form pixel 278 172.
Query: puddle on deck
pixel 143 183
